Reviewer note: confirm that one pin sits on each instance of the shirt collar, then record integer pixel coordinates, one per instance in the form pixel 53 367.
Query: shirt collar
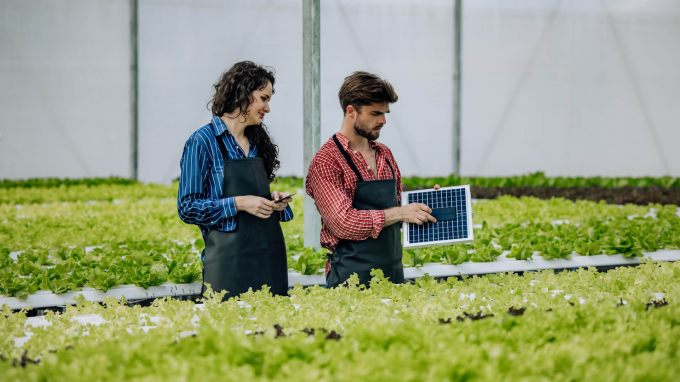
pixel 345 142
pixel 219 127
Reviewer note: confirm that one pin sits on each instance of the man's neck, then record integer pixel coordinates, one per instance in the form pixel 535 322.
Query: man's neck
pixel 356 141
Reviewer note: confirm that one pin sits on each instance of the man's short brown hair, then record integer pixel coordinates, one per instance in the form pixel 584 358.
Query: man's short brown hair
pixel 362 88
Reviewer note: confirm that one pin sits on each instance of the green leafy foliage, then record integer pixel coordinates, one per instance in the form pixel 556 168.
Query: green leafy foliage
pixel 102 280
pixel 138 235
pixel 417 257
pixel 310 262
pixel 456 254
pixel 622 245
pixel 186 274
pixel 587 248
pixel 56 182
pixel 485 253
pixel 521 251
pixel 494 327
pixel 555 250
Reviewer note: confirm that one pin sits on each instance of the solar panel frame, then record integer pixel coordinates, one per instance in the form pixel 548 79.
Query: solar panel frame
pixel 465 217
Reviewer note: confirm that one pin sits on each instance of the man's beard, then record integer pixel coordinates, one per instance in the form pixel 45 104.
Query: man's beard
pixel 365 132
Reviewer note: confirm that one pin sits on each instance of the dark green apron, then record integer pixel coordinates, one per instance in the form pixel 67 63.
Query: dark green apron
pixel 254 254
pixel 383 252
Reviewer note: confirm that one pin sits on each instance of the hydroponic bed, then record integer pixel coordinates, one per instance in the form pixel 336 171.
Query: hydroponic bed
pixel 578 324
pixel 569 326
pixel 144 242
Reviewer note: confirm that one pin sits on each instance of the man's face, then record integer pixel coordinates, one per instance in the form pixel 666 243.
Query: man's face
pixel 370 121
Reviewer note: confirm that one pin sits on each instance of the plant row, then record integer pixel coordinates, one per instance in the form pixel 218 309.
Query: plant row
pixel 570 326
pixel 144 264
pixel 155 220
pixel 71 269
pixel 534 179
pixel 556 241
pixel 148 228
pixel 100 190
pixel 632 190
pixel 620 195
pixel 539 179
pixel 66 182
pixel 83 193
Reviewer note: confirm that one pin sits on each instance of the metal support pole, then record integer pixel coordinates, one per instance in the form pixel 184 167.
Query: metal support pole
pixel 457 28
pixel 134 76
pixel 311 97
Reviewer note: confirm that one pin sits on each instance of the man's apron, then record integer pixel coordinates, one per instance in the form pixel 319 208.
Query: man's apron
pixel 383 252
pixel 254 254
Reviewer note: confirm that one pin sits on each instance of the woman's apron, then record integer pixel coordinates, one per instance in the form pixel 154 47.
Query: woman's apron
pixel 254 254
pixel 385 251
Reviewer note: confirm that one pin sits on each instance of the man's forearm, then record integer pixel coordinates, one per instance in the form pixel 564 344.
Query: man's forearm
pixel 393 215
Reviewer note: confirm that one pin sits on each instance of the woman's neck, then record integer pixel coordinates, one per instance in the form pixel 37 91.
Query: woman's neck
pixel 235 127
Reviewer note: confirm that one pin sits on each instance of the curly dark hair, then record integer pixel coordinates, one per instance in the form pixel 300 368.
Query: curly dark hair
pixel 234 90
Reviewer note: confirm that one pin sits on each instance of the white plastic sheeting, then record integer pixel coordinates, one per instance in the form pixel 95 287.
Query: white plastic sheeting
pixel 185 46
pixel 64 88
pixel 571 87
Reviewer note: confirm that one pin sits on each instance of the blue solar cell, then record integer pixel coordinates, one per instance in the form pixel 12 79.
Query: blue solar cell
pixel 442 230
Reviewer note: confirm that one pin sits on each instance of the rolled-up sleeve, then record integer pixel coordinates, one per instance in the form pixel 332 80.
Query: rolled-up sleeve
pixel 325 185
pixel 193 204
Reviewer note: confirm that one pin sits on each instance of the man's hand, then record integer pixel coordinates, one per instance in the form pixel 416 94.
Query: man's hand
pixel 254 205
pixel 417 213
pixel 276 195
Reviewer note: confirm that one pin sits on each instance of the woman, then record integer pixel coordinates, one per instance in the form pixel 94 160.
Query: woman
pixel 227 166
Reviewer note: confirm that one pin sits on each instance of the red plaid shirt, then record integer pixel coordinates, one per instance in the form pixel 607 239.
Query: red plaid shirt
pixel 331 183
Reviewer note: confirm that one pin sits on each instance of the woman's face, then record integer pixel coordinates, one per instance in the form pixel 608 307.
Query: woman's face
pixel 260 105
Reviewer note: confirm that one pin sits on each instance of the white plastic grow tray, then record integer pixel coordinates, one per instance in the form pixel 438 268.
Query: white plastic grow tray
pixel 131 292
pixel 503 264
pixel 47 299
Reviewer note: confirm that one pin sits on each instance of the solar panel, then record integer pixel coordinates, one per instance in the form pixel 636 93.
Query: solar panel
pixel 451 206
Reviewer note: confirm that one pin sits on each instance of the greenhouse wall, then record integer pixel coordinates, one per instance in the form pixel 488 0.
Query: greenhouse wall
pixel 570 87
pixel 64 88
pixel 184 46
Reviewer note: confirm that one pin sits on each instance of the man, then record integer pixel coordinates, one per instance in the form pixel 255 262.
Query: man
pixel 356 185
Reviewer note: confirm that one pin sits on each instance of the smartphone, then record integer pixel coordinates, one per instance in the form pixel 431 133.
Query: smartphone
pixel 282 199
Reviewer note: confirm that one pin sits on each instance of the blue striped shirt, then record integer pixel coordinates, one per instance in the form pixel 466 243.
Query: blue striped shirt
pixel 199 200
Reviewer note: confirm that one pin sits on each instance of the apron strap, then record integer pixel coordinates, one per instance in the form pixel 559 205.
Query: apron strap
pixel 391 169
pixel 350 162
pixel 348 158
pixel 223 147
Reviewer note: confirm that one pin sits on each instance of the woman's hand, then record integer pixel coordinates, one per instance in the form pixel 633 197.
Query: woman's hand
pixel 276 195
pixel 255 205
